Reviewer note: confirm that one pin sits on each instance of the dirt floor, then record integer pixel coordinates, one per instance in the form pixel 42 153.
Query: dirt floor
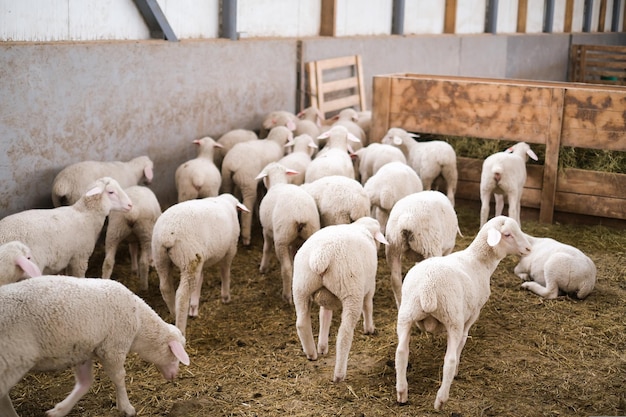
pixel 526 356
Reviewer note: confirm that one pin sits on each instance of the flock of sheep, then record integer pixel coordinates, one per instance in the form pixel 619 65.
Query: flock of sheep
pixel 329 199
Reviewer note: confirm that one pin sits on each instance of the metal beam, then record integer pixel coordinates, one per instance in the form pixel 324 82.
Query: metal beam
pixel 548 18
pixel 615 16
pixel 155 20
pixel 587 12
pixel 492 17
pixel 397 18
pixel 229 20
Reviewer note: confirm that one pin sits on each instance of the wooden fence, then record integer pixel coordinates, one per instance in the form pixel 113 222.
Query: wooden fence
pixel 549 113
pixel 599 64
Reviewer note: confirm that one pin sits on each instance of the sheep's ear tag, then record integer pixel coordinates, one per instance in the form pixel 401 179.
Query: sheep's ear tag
pixel 179 351
pixel 94 191
pixel 532 154
pixel 493 237
pixel 397 140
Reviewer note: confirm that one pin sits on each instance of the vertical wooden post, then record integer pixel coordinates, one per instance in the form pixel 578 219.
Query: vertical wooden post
pixel 328 25
pixel 449 24
pixel 381 101
pixel 551 164
pixel 522 15
pixel 569 15
pixel 602 17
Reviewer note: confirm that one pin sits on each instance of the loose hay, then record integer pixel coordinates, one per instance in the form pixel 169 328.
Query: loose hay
pixel 526 356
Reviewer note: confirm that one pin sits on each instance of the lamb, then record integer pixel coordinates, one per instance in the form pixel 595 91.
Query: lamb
pixel 135 225
pixel 228 140
pixel 278 118
pixel 242 164
pixel 447 293
pixel 289 216
pixel 299 158
pixel 16 263
pixel 40 338
pixel 191 235
pixel 504 173
pixel 309 122
pixel 555 267
pixel 429 159
pixel 370 159
pixel 349 118
pixel 199 177
pixel 72 181
pixel 422 223
pixel 392 182
pixel 339 200
pixel 336 267
pixel 334 158
pixel 63 238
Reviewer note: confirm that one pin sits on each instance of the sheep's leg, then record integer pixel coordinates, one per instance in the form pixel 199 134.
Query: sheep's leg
pixel 225 272
pixel 382 216
pixel 349 318
pixel 268 243
pixel 500 204
pixel 109 258
pixel 450 363
pixel 144 265
pixel 394 260
pixel 78 265
pixel 304 328
pixel 286 270
pixel 195 291
pixel 84 378
pixel 402 359
pixel 133 250
pixel 183 294
pixel 249 200
pixel 451 176
pixel 368 313
pixel 6 407
pixel 550 291
pixel 163 266
pixel 485 201
pixel 515 206
pixel 326 318
pixel 114 367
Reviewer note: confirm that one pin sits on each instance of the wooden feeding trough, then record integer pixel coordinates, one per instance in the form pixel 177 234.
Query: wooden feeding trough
pixel 550 113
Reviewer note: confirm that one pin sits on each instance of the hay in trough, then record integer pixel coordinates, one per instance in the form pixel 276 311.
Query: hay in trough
pixel 526 356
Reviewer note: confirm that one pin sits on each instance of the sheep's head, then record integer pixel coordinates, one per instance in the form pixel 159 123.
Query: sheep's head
pixel 522 149
pixel 505 237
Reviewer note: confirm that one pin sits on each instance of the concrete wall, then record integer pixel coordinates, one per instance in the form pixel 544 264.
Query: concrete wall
pixel 67 102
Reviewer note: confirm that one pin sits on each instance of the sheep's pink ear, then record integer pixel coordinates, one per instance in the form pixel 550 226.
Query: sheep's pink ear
pixel 179 351
pixel 263 174
pixel 289 143
pixel 242 207
pixel 397 140
pixel 324 135
pixel 300 114
pixel 312 145
pixel 414 135
pixel 381 238
pixel 532 154
pixel 291 172
pixel 509 150
pixel 147 171
pixel 335 118
pixel 218 145
pixel 28 266
pixel 353 138
pixel 196 142
pixel 493 237
pixel 95 190
pixel 291 125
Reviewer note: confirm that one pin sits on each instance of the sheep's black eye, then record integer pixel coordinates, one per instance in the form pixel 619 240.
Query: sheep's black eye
pixel 111 193
pixel 507 234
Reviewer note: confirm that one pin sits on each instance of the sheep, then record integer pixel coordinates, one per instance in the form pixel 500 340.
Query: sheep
pixel 288 216
pixel 334 158
pixel 446 293
pixel 309 122
pixel 230 139
pixel 364 120
pixel 278 118
pixel 504 173
pixel 429 159
pixel 349 118
pixel 242 164
pixel 56 322
pixel 555 267
pixel 16 263
pixel 300 158
pixel 339 200
pixel 72 181
pixel 392 182
pixel 63 238
pixel 370 159
pixel 191 235
pixel 199 177
pixel 135 225
pixel 336 267
pixel 422 223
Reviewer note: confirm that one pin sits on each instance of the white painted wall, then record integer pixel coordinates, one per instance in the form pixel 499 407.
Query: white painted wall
pixel 363 17
pixel 263 18
pixel 507 16
pixel 424 17
pixel 192 19
pixel 470 17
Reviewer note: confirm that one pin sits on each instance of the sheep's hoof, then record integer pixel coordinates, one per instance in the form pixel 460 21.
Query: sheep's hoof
pixel 226 299
pixel 339 378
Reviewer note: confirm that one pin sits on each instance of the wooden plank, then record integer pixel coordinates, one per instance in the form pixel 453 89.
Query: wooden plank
pixel 591 205
pixel 602 17
pixel 331 63
pixel 312 82
pixel 328 18
pixel 603 184
pixel 522 15
pixel 470 190
pixel 551 163
pixel 449 24
pixel 340 103
pixel 569 16
pixel 343 84
pixel 380 107
pixel 361 87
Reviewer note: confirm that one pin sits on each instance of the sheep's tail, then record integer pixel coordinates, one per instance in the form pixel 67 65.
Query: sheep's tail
pixel 428 300
pixel 496 171
pixel 319 260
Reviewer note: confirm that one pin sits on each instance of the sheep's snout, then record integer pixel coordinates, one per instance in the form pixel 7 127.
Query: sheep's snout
pixel 169 371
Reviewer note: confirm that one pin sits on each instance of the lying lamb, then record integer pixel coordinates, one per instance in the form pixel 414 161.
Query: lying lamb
pixel 336 267
pixel 446 293
pixel 40 338
pixel 555 267
pixel 16 263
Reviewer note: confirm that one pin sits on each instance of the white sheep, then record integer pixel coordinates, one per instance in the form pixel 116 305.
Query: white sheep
pixel 309 122
pixel 72 181
pixel 334 158
pixel 57 322
pixel 135 226
pixel 392 182
pixel 16 263
pixel 349 118
pixel 299 158
pixel 199 177
pixel 429 159
pixel 504 174
pixel 278 118
pixel 191 235
pixel 553 267
pixel 242 164
pixel 339 200
pixel 289 216
pixel 230 139
pixel 336 267
pixel 370 159
pixel 446 293
pixel 422 223
pixel 63 238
